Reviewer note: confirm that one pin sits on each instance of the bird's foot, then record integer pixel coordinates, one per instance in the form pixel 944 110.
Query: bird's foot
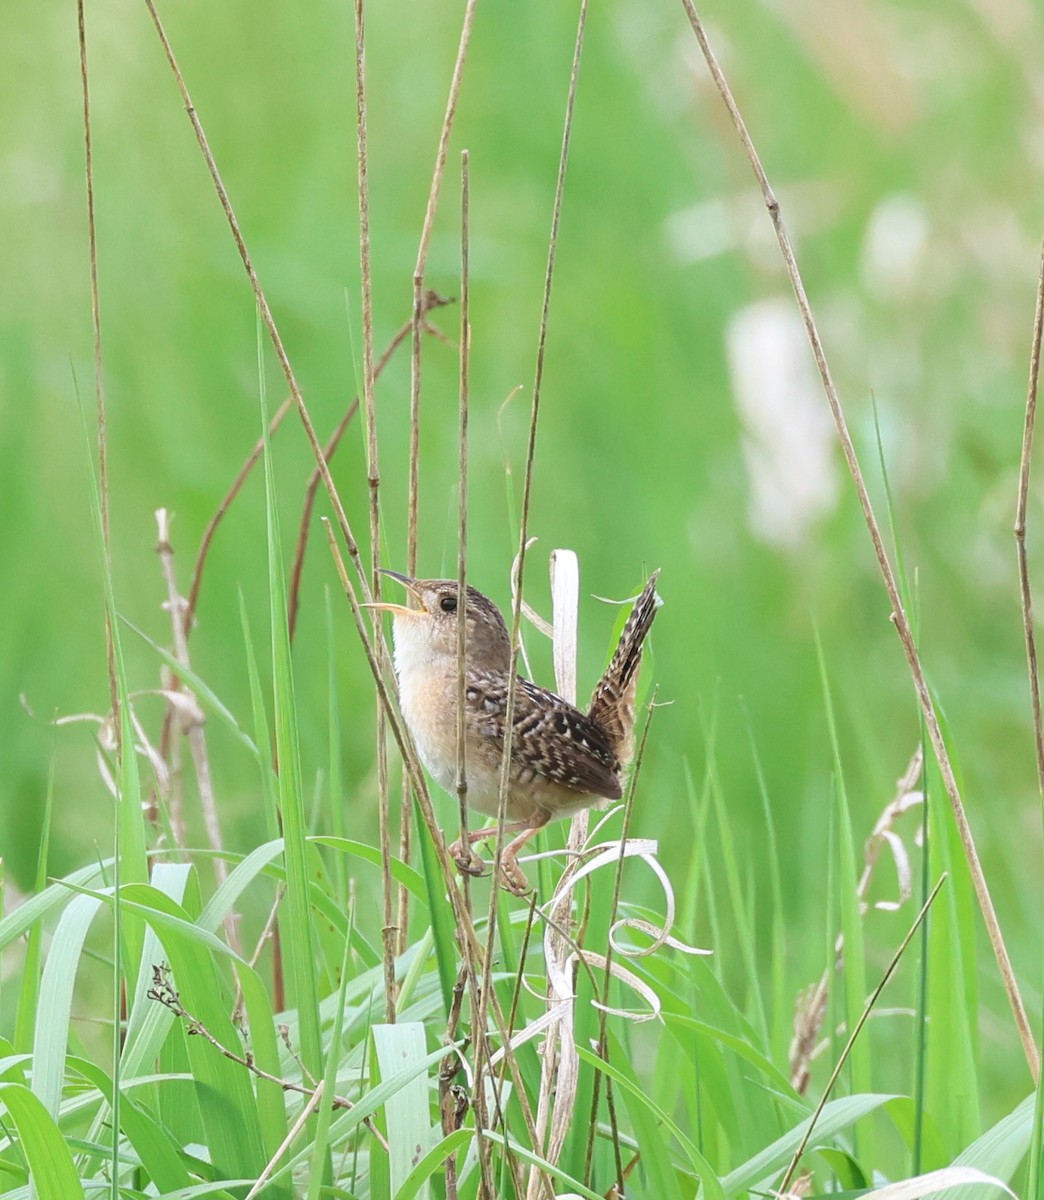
pixel 468 862
pixel 513 877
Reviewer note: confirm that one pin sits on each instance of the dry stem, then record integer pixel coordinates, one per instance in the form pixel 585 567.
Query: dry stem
pixel 99 374
pixel 373 478
pixel 812 1004
pixel 527 489
pixel 470 945
pixel 898 615
pixel 194 730
pixel 1020 526
pixel 462 517
pixel 863 1017
pixel 164 992
pixel 430 209
pixel 603 1017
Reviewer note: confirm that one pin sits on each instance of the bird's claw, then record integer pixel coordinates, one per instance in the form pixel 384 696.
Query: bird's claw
pixel 514 878
pixel 468 862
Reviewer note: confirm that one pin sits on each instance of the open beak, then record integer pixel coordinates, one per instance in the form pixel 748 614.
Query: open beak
pixel 400 610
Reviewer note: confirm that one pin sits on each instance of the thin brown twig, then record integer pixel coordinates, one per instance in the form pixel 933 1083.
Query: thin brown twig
pixel 194 729
pixel 453 1101
pixel 863 1017
pixel 265 311
pixel 462 519
pixel 603 1016
pixel 523 540
pixel 270 925
pixel 268 933
pixel 1020 526
pixel 527 491
pixel 99 373
pixel 470 946
pixel 373 479
pixel 431 300
pixel 163 992
pixel 418 282
pixel 412 501
pixel 898 614
pixel 192 603
pixel 464 924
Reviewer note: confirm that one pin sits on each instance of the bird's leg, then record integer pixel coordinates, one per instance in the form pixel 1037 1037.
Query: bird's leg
pixel 514 877
pixel 466 858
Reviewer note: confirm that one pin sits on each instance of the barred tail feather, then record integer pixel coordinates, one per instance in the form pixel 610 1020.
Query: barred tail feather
pixel 612 705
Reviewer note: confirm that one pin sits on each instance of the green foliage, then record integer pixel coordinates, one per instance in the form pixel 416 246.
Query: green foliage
pixel 163 1030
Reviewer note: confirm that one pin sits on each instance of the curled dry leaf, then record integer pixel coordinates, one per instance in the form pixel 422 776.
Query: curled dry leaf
pixel 185 705
pixel 565 594
pixel 902 869
pixel 934 1181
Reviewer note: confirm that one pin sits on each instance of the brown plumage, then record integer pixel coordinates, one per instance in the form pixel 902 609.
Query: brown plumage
pixel 563 760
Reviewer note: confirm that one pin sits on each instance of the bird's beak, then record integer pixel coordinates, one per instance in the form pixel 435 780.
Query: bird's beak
pixel 400 610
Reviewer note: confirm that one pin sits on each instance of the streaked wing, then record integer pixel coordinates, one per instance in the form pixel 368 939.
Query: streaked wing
pixel 550 737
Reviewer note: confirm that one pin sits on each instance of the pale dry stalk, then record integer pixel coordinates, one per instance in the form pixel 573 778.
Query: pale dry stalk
pixel 419 293
pixel 193 728
pixel 559 1066
pixel 812 1004
pixel 898 614
pixel 1022 506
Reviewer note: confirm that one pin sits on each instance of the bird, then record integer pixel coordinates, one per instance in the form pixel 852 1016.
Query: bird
pixel 563 760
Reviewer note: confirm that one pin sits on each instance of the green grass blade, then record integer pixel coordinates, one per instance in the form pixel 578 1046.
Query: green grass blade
pixel 417 1179
pixel 159 1153
pixel 401 872
pixel 20 922
pixel 847 881
pixel 999 1151
pixel 50 1163
pixel 55 1006
pixel 269 782
pixel 335 782
pixel 29 991
pixel 440 911
pixel 333 1057
pixel 759 1172
pixel 743 930
pixel 400 1047
pixel 647 1118
pixel 296 925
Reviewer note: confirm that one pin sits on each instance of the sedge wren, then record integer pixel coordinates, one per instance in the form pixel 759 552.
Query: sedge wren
pixel 562 760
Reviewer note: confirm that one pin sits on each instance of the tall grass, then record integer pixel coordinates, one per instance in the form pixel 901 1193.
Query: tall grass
pixel 322 1016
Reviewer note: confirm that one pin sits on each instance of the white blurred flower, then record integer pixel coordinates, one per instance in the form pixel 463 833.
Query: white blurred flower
pixel 789 438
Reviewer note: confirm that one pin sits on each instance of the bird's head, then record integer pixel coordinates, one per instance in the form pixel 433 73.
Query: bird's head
pixel 426 628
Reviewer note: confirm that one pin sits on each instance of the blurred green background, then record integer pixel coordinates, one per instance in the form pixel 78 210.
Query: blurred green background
pixel 682 425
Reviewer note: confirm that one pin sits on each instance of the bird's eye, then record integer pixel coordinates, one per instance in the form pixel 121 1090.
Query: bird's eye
pixel 448 604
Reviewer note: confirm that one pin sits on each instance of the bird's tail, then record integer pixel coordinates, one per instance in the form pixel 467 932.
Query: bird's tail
pixel 612 705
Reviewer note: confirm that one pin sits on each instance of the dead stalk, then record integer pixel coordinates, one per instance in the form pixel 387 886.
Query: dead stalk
pixel 419 292
pixel 99 373
pixel 262 302
pixel 194 729
pixel 812 1004
pixel 462 515
pixel 863 1017
pixel 481 1059
pixel 898 614
pixel 603 1016
pixel 470 945
pixel 1020 526
pixel 471 949
pixel 373 479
